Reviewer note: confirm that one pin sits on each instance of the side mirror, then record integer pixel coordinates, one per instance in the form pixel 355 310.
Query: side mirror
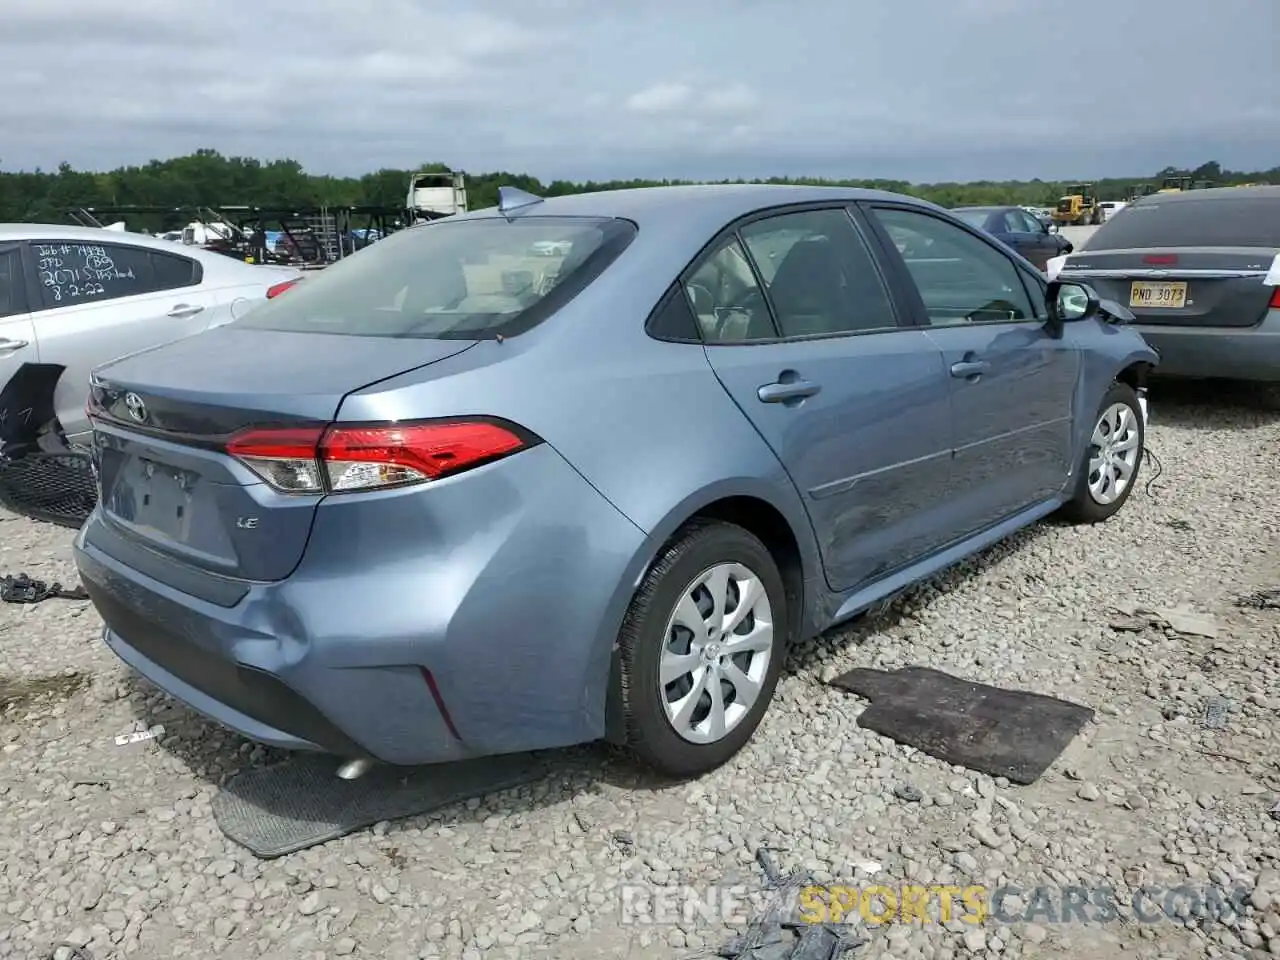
pixel 1068 303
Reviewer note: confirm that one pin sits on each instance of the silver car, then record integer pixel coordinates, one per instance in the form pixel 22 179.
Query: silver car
pixel 78 297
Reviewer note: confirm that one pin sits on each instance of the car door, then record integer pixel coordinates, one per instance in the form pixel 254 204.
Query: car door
pixel 1012 383
pixel 94 302
pixel 18 343
pixel 1013 231
pixel 1043 243
pixel 802 329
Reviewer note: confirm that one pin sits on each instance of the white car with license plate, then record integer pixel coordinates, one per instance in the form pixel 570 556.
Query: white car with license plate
pixel 82 296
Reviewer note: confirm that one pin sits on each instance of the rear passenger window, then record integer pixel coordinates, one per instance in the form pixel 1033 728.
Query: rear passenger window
pixel 172 272
pixel 726 299
pixel 961 278
pixel 76 273
pixel 818 274
pixel 673 320
pixel 11 298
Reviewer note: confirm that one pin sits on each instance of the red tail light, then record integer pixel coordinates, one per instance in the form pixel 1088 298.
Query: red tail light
pixel 1162 258
pixel 341 458
pixel 279 288
pixel 1275 299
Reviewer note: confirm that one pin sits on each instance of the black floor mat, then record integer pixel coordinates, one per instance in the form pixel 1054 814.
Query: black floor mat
pixel 1002 733
pixel 301 802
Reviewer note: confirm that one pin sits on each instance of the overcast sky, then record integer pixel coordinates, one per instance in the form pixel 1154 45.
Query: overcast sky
pixel 913 89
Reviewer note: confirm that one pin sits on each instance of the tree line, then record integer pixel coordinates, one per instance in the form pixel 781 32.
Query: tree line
pixel 207 178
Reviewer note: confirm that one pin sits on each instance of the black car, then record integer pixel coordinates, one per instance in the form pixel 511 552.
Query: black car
pixel 1200 271
pixel 1018 229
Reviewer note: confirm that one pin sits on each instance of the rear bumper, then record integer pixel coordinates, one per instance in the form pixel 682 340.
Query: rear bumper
pixel 1251 353
pixel 471 617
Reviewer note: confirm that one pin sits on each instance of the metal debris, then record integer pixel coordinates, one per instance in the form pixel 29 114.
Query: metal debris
pixel 908 792
pixel 1261 600
pixel 775 936
pixel 1135 619
pixel 23 589
pixel 1215 713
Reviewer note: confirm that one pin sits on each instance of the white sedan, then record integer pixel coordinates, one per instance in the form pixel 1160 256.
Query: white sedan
pixel 81 296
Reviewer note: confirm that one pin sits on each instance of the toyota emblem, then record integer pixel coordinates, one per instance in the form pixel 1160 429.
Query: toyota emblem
pixel 137 409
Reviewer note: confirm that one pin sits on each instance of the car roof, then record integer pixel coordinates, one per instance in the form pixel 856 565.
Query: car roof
pixel 693 206
pixel 1264 192
pixel 77 234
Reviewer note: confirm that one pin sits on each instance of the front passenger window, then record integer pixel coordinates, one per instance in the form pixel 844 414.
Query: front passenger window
pixel 961 278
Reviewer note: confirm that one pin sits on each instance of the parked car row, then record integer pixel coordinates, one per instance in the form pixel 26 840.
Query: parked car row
pixel 1029 235
pixel 734 416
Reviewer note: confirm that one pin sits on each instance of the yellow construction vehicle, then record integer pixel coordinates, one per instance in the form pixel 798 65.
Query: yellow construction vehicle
pixel 1138 190
pixel 1078 207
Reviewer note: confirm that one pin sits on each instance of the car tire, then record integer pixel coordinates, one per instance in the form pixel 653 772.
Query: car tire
pixel 1119 415
pixel 655 627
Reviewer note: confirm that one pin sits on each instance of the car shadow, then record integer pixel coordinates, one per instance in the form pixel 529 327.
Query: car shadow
pixel 807 658
pixel 1207 405
pixel 215 754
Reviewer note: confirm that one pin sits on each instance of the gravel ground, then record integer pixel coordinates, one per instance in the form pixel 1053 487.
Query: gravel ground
pixel 115 847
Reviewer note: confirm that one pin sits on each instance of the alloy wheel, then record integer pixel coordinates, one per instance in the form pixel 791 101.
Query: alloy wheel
pixel 716 652
pixel 1113 456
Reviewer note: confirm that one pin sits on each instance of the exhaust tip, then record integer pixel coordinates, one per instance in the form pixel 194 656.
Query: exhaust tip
pixel 354 769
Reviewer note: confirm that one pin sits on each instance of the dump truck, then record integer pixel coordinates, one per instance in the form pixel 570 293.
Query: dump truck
pixel 436 194
pixel 1078 207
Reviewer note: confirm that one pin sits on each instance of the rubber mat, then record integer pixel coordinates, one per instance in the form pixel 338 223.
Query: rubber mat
pixel 1003 733
pixel 301 802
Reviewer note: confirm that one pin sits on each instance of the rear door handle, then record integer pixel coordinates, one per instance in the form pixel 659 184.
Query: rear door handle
pixel 969 368
pixel 7 345
pixel 783 391
pixel 184 310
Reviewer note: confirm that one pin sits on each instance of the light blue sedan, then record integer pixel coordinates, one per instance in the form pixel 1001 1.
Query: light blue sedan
pixel 451 497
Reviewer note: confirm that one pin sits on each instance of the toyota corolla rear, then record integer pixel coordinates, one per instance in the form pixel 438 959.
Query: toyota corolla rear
pixel 1199 271
pixel 413 587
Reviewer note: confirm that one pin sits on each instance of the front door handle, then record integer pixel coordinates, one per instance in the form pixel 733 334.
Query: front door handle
pixel 184 310
pixel 784 391
pixel 969 368
pixel 7 346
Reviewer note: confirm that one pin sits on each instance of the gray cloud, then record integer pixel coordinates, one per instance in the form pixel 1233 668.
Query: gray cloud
pixel 922 89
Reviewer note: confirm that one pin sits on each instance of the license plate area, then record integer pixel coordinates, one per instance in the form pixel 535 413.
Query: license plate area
pixel 1164 295
pixel 157 497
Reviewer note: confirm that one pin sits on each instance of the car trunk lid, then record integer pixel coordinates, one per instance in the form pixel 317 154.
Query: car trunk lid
pixel 1181 286
pixel 163 417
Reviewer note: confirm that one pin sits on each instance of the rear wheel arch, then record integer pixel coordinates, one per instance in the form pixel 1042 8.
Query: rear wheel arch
pixel 790 545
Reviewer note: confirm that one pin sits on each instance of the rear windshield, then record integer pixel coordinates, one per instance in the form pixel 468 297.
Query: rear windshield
pixel 451 279
pixel 1211 222
pixel 974 218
